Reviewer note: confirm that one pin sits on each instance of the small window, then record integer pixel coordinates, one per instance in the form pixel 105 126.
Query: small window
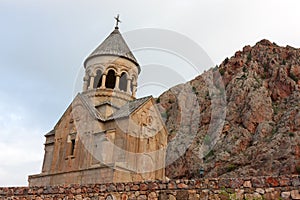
pixel 72 147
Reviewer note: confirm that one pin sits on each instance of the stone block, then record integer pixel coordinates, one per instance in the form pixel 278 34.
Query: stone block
pixel 254 196
pixel 296 181
pixel 260 190
pixel 271 181
pixel 163 195
pixel 295 194
pixel 285 195
pixel 247 184
pixel 272 195
pixel 182 195
pixel 258 182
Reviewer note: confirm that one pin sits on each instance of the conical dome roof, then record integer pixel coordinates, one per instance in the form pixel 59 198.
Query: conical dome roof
pixel 114 45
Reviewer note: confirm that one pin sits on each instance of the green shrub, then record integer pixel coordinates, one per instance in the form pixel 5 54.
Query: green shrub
pixel 226 60
pixel 222 71
pixel 231 167
pixel 164 115
pixel 275 109
pixel 298 169
pixel 265 65
pixel 295 78
pixel 207 140
pixel 194 90
pixel 274 130
pixel 211 153
pixel 291 134
pixel 249 57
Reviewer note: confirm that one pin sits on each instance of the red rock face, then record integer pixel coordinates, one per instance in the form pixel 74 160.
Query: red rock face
pixel 261 132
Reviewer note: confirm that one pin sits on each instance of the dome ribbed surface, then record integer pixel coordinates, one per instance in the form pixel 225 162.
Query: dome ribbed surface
pixel 114 45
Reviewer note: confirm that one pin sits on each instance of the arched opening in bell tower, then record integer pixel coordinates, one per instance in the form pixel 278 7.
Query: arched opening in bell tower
pixel 123 82
pixel 98 79
pixel 110 79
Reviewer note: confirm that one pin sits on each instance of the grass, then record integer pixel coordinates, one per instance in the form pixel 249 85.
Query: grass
pixel 231 167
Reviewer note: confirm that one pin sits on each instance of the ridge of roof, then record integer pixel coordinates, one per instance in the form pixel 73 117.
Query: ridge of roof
pixel 109 103
pixel 128 108
pixel 52 132
pixel 91 108
pixel 124 111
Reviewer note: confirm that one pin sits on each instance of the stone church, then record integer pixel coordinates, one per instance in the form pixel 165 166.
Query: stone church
pixel 106 134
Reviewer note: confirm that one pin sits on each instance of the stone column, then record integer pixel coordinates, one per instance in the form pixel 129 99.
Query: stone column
pixel 103 81
pixel 91 82
pixel 85 83
pixel 128 85
pixel 117 82
pixel 134 90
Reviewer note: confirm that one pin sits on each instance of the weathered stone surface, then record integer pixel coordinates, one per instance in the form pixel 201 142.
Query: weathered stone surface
pixel 213 188
pixel 253 196
pixel 272 182
pixel 182 185
pixel 182 195
pixel 272 195
pixel 295 194
pixel 260 190
pixel 81 147
pixel 247 184
pixel 261 131
pixel 285 195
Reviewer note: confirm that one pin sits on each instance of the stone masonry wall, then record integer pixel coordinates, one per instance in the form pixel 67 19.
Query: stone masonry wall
pixel 282 187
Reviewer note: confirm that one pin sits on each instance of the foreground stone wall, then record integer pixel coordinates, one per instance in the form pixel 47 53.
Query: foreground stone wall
pixel 282 187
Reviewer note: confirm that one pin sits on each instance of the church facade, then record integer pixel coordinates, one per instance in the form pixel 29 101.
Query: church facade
pixel 106 134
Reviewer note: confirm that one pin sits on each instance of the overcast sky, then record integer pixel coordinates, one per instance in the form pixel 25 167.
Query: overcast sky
pixel 44 43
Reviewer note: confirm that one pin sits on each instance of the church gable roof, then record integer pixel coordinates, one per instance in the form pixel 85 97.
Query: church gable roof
pixel 90 107
pixel 52 132
pixel 124 111
pixel 114 45
pixel 129 108
pixel 86 103
pixel 108 103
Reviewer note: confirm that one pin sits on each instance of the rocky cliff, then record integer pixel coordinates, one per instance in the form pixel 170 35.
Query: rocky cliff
pixel 241 118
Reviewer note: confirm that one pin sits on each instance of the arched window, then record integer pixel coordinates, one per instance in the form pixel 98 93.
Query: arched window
pixel 110 79
pixel 98 79
pixel 123 82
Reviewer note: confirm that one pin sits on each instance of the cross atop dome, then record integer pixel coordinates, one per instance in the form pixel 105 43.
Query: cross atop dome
pixel 117 21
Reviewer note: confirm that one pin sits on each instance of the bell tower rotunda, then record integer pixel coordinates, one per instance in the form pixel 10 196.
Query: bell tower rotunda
pixel 111 71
